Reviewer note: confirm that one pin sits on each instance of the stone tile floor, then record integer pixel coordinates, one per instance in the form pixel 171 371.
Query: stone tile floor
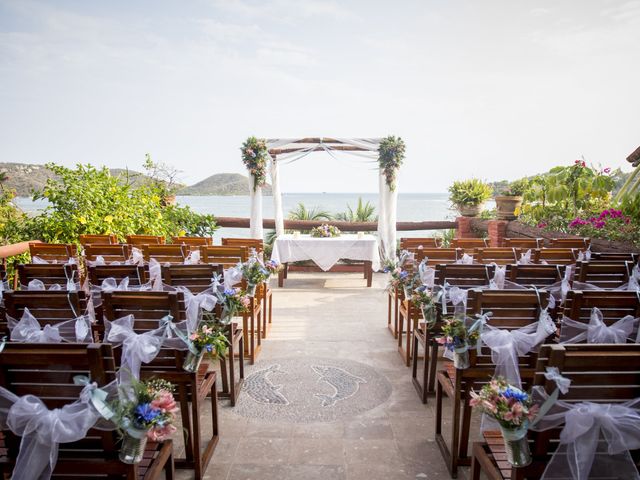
pixel 332 316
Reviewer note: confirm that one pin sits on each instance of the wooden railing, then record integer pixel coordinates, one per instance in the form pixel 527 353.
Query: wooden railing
pixel 240 222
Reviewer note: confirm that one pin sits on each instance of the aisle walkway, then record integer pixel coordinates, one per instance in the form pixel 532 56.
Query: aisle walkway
pixel 329 397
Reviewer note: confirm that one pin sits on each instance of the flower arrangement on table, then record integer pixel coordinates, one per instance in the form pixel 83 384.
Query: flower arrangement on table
pixel 458 338
pixel 254 157
pixel 145 410
pixel 513 409
pixel 325 231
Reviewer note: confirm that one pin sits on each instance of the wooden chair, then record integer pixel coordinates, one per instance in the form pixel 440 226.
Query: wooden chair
pixel 264 292
pixel 54 252
pixel 469 243
pixel 437 256
pixel 524 243
pixel 197 278
pixel 615 256
pixel 225 256
pixel 464 276
pixel 192 388
pixel 579 243
pixel 511 309
pixel 47 371
pixel 533 275
pixel 145 240
pixel 603 275
pixel 109 252
pixel 420 242
pixel 497 255
pixel 192 241
pixel 136 274
pixel 396 297
pixel 47 306
pixel 48 273
pixel 164 254
pixel 86 239
pixel 598 373
pixel 613 305
pixel 555 256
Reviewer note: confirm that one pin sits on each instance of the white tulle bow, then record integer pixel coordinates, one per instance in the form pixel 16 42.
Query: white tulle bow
pixel 595 440
pixel 597 331
pixel 525 258
pixel 29 330
pixel 137 348
pixel 232 276
pixel 427 274
pixel 205 300
pixel 193 258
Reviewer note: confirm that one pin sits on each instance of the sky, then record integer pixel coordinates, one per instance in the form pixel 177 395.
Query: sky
pixel 489 89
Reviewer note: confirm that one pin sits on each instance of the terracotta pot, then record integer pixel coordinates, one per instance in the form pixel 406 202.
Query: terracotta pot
pixel 507 206
pixel 470 210
pixel 169 200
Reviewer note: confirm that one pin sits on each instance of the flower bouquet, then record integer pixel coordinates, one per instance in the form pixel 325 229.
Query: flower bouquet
pixel 234 302
pixel 457 338
pixel 426 301
pixel 254 157
pixel 401 279
pixel 273 267
pixel 254 273
pixel 513 409
pixel 325 231
pixel 145 410
pixel 206 340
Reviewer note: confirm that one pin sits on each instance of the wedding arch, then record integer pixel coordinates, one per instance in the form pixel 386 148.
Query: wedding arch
pixel 260 155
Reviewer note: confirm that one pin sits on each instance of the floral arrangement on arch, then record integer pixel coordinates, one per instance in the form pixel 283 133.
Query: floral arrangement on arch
pixel 325 231
pixel 254 157
pixel 390 158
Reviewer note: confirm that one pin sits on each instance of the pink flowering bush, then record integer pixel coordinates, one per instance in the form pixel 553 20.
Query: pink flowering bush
pixel 610 224
pixel 508 405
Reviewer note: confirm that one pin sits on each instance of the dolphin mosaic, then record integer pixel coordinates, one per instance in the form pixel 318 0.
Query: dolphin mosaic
pixel 345 384
pixel 260 389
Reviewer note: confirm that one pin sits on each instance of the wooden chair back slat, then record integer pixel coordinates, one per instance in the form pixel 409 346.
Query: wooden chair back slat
pixel 469 243
pixel 497 255
pixel 614 305
pixel 54 252
pixel 603 275
pixel 222 255
pixel 86 239
pixel 109 252
pixel 579 243
pixel 145 240
pixel 555 256
pixel 538 276
pixel 49 274
pixel 420 242
pixel 50 307
pixel 192 241
pixel 511 309
pixel 437 256
pixel 463 275
pixel 165 253
pixel 524 243
pixel 196 278
pixel 136 274
pixel 614 257
pixel 255 243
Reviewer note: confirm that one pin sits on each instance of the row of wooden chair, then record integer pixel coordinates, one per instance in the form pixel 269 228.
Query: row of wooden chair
pixel 467 243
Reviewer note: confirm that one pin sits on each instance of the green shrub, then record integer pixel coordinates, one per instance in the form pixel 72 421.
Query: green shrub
pixel 469 193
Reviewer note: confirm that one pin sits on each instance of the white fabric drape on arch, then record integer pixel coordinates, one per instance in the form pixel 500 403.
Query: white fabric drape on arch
pixel 387 200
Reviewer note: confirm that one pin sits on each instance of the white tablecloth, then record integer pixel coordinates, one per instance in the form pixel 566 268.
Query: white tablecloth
pixel 326 252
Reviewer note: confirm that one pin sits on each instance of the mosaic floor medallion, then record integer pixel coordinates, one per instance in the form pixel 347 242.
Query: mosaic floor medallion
pixel 311 389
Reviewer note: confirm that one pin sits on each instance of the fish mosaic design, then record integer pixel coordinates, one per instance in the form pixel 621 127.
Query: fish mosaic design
pixel 259 387
pixel 345 384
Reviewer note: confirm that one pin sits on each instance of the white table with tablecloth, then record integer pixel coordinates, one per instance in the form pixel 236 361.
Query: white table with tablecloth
pixel 325 252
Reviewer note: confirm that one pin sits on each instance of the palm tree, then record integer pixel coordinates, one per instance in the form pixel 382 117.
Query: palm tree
pixel 365 212
pixel 301 212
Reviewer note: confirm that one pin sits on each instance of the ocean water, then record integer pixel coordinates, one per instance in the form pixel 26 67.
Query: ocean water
pixel 411 206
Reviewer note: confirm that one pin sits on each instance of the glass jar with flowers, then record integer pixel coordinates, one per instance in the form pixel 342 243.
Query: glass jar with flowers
pixel 255 273
pixel 144 410
pixel 513 409
pixel 273 267
pixel 234 302
pixel 458 339
pixel 209 339
pixel 426 301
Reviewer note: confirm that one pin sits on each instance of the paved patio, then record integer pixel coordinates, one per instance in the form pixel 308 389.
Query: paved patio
pixel 330 397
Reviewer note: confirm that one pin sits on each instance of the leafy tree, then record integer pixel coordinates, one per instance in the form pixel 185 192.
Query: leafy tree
pixel 301 212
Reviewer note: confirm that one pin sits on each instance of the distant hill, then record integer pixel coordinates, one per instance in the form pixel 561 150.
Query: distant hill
pixel 222 184
pixel 26 178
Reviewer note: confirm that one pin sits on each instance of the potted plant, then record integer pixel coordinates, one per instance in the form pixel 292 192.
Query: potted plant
pixel 509 201
pixel 468 196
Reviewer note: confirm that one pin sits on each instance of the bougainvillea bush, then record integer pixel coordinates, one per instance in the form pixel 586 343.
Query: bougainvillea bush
pixel 611 224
